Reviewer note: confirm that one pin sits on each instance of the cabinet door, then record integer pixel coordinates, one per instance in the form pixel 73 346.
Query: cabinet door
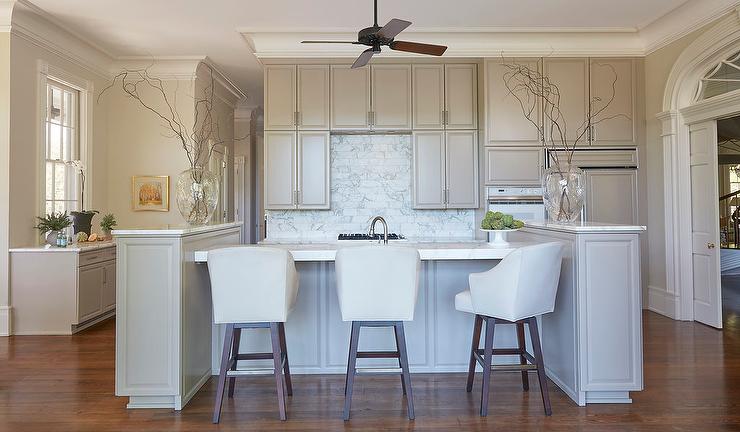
pixel 350 98
pixel 313 170
pixel 461 96
pixel 280 149
pixel 613 79
pixel 108 295
pixel 571 78
pixel 280 97
pixel 507 125
pixel 429 170
pixel 89 295
pixel 313 97
pixel 428 96
pixel 391 97
pixel 513 166
pixel 462 169
pixel 611 196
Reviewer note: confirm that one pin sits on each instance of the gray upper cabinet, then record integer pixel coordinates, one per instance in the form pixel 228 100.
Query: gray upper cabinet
pixel 280 97
pixel 506 124
pixel 514 165
pixel 313 97
pixel 461 96
pixel 350 98
pixel 313 170
pixel 391 97
pixel 428 96
pixel 445 169
pixel 280 175
pixel 613 79
pixel 571 77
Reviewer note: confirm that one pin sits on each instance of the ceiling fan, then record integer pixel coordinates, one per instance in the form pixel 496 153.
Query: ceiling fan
pixel 377 36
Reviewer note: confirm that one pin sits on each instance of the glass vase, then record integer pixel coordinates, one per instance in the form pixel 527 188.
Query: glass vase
pixel 563 191
pixel 197 195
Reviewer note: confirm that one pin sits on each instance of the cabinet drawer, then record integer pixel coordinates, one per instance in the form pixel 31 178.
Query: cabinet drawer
pixel 600 158
pixel 513 165
pixel 97 256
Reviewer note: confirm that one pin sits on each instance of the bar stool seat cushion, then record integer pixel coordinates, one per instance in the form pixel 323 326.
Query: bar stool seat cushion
pixel 464 302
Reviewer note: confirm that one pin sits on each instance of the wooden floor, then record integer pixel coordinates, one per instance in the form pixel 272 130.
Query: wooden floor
pixel 59 383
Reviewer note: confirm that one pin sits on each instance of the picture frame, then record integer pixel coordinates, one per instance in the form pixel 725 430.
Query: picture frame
pixel 150 193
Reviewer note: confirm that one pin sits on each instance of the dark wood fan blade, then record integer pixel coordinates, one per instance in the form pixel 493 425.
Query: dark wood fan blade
pixel 363 59
pixel 419 48
pixel 322 42
pixel 393 28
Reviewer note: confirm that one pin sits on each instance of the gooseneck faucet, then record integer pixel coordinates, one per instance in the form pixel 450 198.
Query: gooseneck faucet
pixel 371 231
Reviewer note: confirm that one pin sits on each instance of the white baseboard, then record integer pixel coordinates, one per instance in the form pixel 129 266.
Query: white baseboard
pixel 5 327
pixel 662 302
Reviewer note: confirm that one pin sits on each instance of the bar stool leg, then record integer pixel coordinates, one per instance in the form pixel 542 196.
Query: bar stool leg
pixel 277 357
pixel 405 373
pixel 535 335
pixel 234 353
pixel 398 350
pixel 225 358
pixel 476 342
pixel 286 367
pixel 487 359
pixel 351 367
pixel 522 349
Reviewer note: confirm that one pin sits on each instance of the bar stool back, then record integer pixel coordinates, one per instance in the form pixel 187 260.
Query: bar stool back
pixel 252 287
pixel 520 288
pixel 377 286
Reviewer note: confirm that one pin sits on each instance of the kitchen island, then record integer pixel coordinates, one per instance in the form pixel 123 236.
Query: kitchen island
pixel 592 343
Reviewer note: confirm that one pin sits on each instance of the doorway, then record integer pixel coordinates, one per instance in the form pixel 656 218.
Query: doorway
pixel 728 163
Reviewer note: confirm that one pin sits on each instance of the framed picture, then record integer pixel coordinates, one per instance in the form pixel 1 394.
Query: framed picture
pixel 150 193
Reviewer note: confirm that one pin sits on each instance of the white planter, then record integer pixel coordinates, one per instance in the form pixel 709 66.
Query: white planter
pixel 498 237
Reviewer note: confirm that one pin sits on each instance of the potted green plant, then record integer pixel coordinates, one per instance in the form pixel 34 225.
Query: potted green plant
pixel 107 224
pixel 499 224
pixel 52 224
pixel 81 220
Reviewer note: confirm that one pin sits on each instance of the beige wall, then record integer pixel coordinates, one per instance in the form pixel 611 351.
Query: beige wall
pixel 658 66
pixel 25 183
pixel 4 183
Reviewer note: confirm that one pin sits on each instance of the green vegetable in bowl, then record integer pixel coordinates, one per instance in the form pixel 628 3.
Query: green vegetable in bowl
pixel 500 221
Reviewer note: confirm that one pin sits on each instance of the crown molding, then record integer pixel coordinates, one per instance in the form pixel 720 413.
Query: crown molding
pixel 233 94
pixel 6 15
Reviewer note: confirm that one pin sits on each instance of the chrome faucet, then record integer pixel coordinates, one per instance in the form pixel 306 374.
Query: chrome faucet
pixel 371 231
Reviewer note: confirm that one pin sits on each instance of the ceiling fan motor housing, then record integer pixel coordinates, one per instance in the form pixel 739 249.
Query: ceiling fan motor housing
pixel 369 36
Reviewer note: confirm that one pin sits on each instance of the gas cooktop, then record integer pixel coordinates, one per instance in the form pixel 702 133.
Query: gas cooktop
pixel 366 237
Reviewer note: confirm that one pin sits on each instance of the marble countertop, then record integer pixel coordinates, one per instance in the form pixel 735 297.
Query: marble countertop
pixel 173 230
pixel 76 247
pixel 429 251
pixel 584 227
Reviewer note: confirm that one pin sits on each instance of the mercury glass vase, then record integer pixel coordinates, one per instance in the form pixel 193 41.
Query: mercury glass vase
pixel 197 195
pixel 563 191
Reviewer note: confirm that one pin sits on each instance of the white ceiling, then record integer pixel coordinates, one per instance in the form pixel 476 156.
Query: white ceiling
pixel 209 27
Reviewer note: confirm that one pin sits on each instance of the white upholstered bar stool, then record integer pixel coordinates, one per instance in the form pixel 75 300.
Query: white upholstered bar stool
pixel 377 286
pixel 517 290
pixel 252 287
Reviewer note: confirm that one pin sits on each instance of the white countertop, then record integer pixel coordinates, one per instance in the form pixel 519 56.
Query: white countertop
pixel 429 251
pixel 75 247
pixel 173 230
pixel 583 227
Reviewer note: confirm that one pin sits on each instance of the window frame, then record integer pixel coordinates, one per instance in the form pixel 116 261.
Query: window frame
pixel 72 193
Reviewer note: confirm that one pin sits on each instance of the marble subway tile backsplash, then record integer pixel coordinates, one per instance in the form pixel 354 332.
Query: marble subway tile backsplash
pixel 370 175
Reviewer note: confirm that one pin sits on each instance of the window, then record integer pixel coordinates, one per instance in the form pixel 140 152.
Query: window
pixel 723 78
pixel 61 147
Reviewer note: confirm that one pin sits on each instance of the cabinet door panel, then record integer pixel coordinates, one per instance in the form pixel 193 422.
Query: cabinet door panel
pixel 513 166
pixel 571 78
pixel 279 148
pixel 280 97
pixel 429 170
pixel 313 97
pixel 462 169
pixel 108 296
pixel 611 196
pixel 428 104
pixel 461 96
pixel 613 79
pixel 313 170
pixel 507 125
pixel 350 97
pixel 391 97
pixel 90 286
